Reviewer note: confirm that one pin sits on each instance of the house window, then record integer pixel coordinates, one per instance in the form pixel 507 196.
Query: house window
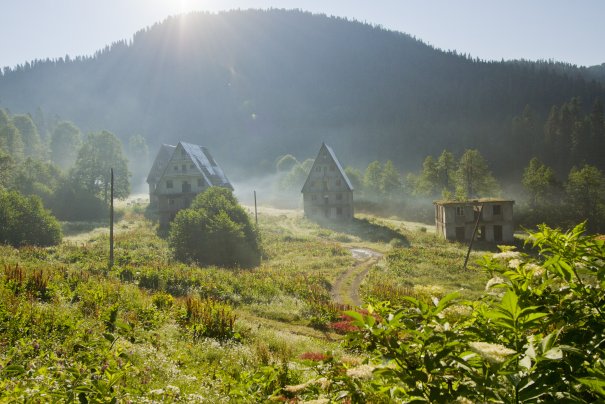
pixel 200 182
pixel 460 233
pixel 497 210
pixel 318 168
pixel 184 167
pixel 171 202
pixel 326 199
pixel 169 184
pixel 185 187
pixel 497 233
pixel 339 197
pixel 459 210
pixel 339 211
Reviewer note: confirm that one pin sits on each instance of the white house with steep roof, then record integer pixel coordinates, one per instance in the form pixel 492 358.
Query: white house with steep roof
pixel 189 170
pixel 327 192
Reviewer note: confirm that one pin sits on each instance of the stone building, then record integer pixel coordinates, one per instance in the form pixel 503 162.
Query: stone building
pixel 455 220
pixel 327 192
pixel 188 170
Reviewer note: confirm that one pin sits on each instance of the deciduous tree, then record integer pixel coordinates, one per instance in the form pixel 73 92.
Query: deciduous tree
pixel 99 153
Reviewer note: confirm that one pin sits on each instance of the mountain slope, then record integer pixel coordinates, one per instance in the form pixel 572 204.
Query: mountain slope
pixel 255 84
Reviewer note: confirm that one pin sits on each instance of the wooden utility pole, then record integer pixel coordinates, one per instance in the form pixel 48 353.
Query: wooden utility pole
pixel 255 212
pixel 470 245
pixel 111 223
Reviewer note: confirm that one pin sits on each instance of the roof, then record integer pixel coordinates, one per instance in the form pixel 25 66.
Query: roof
pixel 161 159
pixel 206 164
pixel 336 162
pixel 473 201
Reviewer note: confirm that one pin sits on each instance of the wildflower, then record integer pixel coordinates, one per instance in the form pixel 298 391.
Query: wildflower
pixel 361 372
pixel 536 269
pixel 313 356
pixel 515 263
pixel 507 255
pixel 174 390
pixel 493 353
pixel 496 280
pixel 297 388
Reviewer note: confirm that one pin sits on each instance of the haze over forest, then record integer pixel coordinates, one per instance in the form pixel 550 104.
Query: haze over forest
pixel 254 85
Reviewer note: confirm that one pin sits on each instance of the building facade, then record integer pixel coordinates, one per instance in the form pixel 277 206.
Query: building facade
pixel 189 170
pixel 455 220
pixel 327 192
pixel 157 169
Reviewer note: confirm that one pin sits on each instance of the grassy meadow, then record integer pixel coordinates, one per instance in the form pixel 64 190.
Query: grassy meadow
pixel 152 329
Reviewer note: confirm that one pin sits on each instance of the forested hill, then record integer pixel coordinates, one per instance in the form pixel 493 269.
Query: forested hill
pixel 252 85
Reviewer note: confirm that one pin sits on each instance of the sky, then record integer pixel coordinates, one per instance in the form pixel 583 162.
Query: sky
pixel 562 30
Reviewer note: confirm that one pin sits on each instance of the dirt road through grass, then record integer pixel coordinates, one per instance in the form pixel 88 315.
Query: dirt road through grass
pixel 346 287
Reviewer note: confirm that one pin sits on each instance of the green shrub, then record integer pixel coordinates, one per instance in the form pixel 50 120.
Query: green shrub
pixel 215 230
pixel 24 221
pixel 535 336
pixel 209 319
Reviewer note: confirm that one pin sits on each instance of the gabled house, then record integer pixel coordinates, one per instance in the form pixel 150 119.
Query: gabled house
pixel 455 220
pixel 327 192
pixel 157 169
pixel 189 170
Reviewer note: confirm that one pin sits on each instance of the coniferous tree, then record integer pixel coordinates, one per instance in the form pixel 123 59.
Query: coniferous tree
pixel 585 190
pixel 474 176
pixel 390 181
pixel 539 182
pixel 372 179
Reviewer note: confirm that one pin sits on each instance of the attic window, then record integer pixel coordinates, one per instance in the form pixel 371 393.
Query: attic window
pixel 333 167
pixel 184 153
pixel 459 210
pixel 200 183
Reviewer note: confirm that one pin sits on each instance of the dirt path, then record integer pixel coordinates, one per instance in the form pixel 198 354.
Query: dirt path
pixel 346 287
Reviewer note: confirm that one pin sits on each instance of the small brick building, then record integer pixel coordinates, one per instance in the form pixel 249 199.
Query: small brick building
pixel 455 220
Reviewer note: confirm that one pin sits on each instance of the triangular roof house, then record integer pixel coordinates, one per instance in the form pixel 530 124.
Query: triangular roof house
pixel 328 192
pixel 188 170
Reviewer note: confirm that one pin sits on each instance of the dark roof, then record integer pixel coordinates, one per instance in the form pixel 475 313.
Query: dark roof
pixel 161 159
pixel 336 162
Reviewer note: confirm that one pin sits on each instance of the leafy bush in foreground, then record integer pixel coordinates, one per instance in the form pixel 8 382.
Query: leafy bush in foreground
pixel 215 230
pixel 24 221
pixel 536 335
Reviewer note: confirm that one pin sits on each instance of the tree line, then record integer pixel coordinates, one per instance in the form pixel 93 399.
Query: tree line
pixel 62 170
pixel 545 197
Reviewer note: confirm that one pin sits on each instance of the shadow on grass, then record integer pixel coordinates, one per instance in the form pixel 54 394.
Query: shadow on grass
pixel 368 231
